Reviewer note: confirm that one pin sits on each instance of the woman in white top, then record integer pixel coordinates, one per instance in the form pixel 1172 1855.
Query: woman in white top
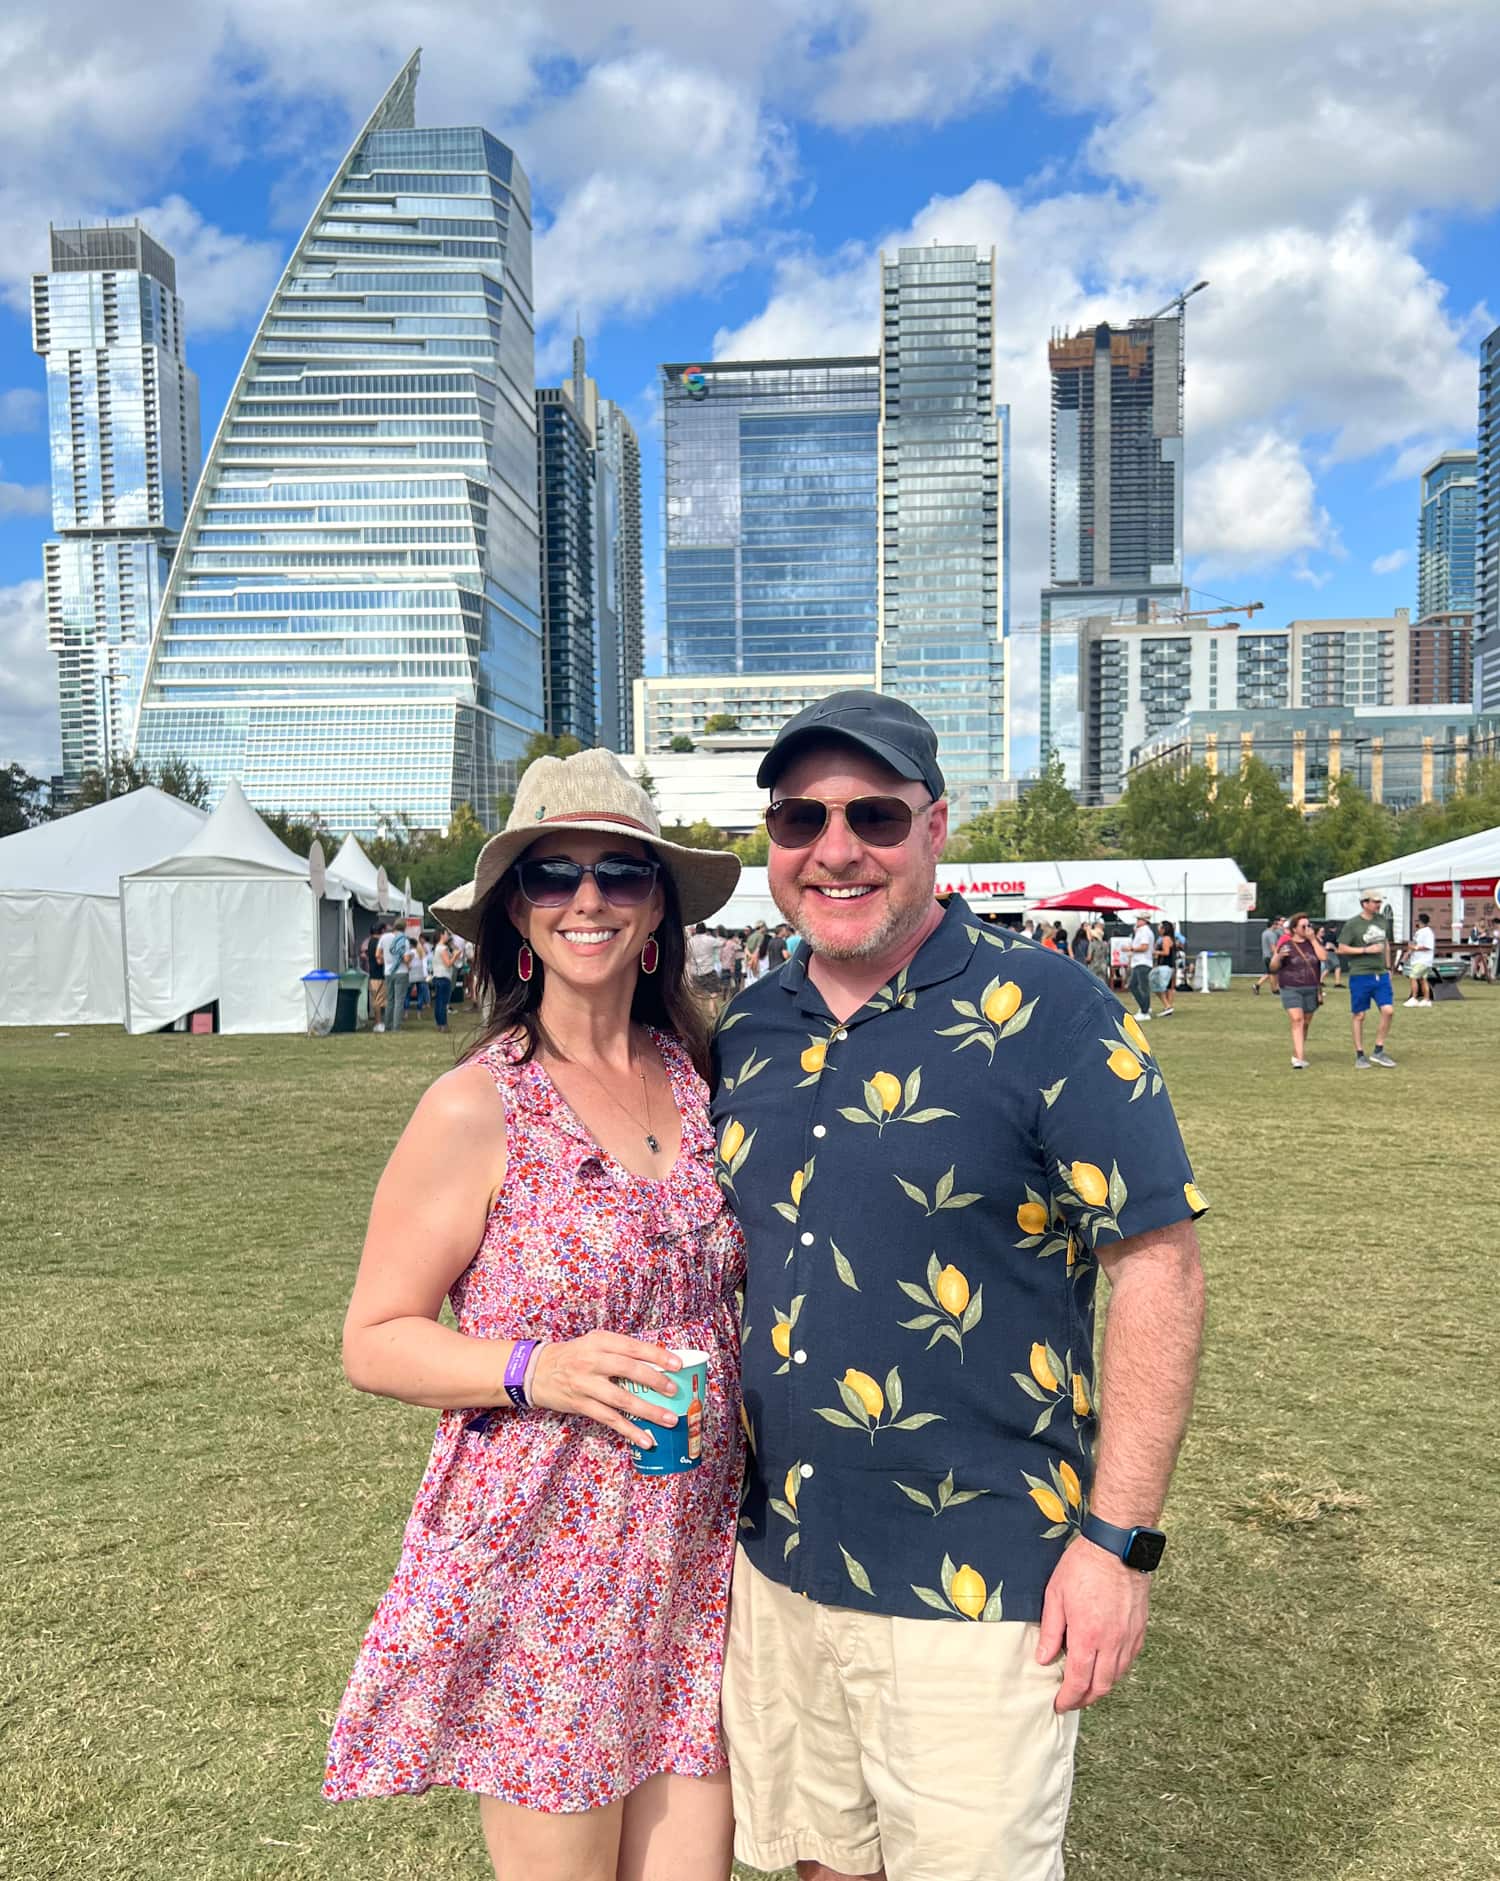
pixel 442 979
pixel 417 961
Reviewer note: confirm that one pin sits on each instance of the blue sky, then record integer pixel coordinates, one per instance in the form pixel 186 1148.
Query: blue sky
pixel 716 182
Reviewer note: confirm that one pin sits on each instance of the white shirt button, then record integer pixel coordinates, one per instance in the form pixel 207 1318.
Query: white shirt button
pixel 841 1033
pixel 807 1240
pixel 806 1471
pixel 820 1129
pixel 799 1358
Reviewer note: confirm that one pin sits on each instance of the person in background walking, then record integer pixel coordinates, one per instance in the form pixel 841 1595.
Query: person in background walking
pixel 375 967
pixel 1164 973
pixel 1421 956
pixel 1098 951
pixel 1270 940
pixel 1328 934
pixel 1142 947
pixel 394 949
pixel 1079 945
pixel 1365 943
pixel 1298 966
pixel 442 979
pixel 416 967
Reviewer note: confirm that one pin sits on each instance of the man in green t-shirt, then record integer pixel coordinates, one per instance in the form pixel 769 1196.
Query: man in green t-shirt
pixel 1364 947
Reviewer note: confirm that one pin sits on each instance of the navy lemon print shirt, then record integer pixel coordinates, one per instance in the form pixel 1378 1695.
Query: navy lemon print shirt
pixel 923 1190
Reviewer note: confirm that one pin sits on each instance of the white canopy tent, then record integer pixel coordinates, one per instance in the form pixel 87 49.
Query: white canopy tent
pixel 230 916
pixel 1198 888
pixel 1463 873
pixel 358 873
pixel 60 906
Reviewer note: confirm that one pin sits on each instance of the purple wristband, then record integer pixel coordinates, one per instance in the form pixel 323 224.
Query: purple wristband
pixel 515 1372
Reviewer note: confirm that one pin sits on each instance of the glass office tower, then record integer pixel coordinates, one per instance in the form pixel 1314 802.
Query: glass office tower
pixel 352 626
pixel 770 516
pixel 565 502
pixel 1442 638
pixel 622 649
pixel 942 580
pixel 126 448
pixel 1487 533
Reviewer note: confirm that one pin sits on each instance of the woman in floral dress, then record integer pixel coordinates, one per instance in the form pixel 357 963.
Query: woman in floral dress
pixel 553 1637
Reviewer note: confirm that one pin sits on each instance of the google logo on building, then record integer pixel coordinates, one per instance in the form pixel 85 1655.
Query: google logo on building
pixel 695 381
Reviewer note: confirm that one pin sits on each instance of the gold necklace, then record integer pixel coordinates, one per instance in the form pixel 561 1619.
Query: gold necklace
pixel 652 1142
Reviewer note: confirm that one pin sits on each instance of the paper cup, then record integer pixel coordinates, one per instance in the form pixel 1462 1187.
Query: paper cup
pixel 680 1447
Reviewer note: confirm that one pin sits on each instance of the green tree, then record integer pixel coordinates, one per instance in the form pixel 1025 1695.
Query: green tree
pixel 1350 832
pixel 719 722
pixel 174 775
pixel 1167 813
pixel 681 743
pixel 988 837
pixel 1253 820
pixel 646 781
pixel 23 800
pixel 753 849
pixel 1049 826
pixel 299 833
pixel 544 745
pixel 699 835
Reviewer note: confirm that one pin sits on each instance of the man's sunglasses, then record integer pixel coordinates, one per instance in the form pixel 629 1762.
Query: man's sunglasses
pixel 552 881
pixel 882 822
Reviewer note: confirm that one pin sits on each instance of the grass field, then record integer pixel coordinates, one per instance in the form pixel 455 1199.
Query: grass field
pixel 199 1514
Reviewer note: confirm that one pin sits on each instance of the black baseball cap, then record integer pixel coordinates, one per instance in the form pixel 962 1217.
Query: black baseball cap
pixel 884 726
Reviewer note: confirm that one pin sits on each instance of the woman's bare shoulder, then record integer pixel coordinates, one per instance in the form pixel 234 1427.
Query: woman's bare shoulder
pixel 466 1095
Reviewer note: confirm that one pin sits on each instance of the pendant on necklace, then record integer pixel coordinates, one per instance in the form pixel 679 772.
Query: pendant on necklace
pixel 652 1144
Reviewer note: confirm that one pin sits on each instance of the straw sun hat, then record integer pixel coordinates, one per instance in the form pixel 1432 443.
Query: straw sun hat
pixel 589 791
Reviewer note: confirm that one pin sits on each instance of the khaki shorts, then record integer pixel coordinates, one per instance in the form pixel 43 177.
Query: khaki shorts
pixel 377 998
pixel 926 1745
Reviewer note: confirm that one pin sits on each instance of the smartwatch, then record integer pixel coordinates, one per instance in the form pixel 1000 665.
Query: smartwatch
pixel 1139 1548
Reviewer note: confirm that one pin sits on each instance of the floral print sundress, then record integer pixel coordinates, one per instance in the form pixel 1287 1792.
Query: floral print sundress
pixel 554 1632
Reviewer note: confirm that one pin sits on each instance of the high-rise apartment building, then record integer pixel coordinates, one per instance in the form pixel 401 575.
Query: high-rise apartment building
pixel 771 471
pixel 1117 494
pixel 122 410
pixel 352 625
pixel 943 441
pixel 565 508
pixel 1442 638
pixel 622 644
pixel 1361 661
pixel 1264 670
pixel 1487 532
pixel 1134 680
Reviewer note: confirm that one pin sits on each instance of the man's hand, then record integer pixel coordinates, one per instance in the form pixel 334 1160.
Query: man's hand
pixel 1094 1610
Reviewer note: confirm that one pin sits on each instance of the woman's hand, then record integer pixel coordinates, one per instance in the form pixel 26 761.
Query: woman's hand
pixel 578 1376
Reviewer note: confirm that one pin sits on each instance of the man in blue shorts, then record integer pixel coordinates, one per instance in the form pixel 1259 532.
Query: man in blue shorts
pixel 1365 948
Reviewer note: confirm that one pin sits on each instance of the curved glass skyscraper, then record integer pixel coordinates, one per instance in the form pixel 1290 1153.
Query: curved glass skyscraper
pixel 352 627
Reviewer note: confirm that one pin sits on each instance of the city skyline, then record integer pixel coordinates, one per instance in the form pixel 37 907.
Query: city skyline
pixel 694 205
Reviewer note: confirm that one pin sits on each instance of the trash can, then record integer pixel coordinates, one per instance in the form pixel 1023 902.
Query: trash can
pixel 322 990
pixel 352 986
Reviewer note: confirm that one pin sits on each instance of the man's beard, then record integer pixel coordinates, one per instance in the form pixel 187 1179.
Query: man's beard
pixel 896 925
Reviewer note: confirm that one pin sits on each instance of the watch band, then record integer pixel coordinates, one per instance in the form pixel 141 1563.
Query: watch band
pixel 1140 1547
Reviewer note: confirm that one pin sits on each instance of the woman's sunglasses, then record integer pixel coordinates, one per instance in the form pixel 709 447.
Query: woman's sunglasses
pixel 552 881
pixel 882 822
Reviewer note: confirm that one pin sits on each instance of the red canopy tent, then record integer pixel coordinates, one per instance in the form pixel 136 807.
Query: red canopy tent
pixel 1095 898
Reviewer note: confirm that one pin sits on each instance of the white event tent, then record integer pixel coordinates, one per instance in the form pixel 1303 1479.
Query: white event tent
pixel 1198 888
pixel 1463 873
pixel 230 916
pixel 60 905
pixel 358 873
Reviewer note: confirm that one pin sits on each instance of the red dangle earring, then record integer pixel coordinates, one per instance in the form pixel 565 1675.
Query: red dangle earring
pixel 525 963
pixel 650 955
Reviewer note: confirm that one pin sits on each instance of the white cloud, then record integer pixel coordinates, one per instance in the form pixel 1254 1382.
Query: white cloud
pixel 223 280
pixel 28 682
pixel 25 499
pixel 1388 564
pixel 21 409
pixel 1252 505
pixel 657 166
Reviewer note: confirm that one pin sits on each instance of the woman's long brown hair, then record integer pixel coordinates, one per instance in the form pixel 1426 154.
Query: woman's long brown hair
pixel 510 1007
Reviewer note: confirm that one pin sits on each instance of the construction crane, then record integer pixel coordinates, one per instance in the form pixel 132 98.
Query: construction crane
pixel 1158 613
pixel 1178 300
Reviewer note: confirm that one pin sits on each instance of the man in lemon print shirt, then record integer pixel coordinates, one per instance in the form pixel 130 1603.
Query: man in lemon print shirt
pixel 934 1135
